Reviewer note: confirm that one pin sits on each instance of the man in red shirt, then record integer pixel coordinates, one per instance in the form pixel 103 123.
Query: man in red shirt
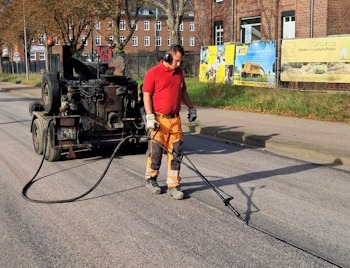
pixel 164 88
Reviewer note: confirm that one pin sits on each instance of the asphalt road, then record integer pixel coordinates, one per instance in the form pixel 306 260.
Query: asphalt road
pixel 297 212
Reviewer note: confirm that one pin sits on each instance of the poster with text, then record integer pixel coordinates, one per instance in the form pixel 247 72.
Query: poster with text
pixel 316 60
pixel 216 64
pixel 255 64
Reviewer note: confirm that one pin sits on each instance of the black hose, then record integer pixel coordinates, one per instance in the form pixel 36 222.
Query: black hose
pixel 32 181
pixel 195 170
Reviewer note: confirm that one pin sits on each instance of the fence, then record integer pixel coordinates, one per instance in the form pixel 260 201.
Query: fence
pixel 136 64
pixel 34 66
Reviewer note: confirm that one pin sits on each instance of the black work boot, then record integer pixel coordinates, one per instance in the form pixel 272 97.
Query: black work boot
pixel 152 186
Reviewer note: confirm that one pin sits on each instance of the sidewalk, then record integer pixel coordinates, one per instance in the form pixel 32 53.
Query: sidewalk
pixel 314 141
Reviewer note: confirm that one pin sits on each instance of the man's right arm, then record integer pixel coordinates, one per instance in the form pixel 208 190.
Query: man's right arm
pixel 147 101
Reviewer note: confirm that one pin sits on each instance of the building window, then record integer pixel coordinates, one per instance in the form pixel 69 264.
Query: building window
pixel 168 42
pixel 41 39
pixel 191 14
pixel 110 25
pixel 146 41
pixel 191 26
pixel 218 33
pixel 218 1
pixel 42 56
pixel 191 42
pixel 158 26
pixel 288 24
pixel 122 39
pixel 146 25
pixel 122 25
pixel 83 39
pixel 181 41
pixel 159 41
pixel 133 25
pixel 250 30
pixel 98 25
pixel 32 56
pixel 181 26
pixel 135 41
pixel 70 38
pixel 97 40
pixel 56 41
pixel 110 40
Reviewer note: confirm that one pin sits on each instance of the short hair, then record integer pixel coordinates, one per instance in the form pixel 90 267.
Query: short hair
pixel 177 48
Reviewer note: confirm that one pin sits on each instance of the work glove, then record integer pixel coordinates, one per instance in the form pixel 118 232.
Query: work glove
pixel 192 114
pixel 151 122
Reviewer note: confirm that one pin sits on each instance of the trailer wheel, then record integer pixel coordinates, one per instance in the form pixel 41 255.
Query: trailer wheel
pixel 36 105
pixel 52 154
pixel 37 135
pixel 50 93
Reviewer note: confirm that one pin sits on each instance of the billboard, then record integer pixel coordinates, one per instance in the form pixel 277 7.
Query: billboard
pixel 255 64
pixel 316 60
pixel 216 63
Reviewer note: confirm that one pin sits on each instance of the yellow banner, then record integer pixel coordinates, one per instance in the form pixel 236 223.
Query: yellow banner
pixel 316 60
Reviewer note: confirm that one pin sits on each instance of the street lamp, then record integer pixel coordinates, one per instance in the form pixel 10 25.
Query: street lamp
pixel 25 43
pixel 50 42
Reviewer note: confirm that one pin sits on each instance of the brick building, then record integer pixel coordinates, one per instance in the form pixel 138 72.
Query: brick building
pixel 151 34
pixel 243 21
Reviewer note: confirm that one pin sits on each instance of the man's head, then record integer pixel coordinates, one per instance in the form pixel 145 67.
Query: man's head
pixel 173 57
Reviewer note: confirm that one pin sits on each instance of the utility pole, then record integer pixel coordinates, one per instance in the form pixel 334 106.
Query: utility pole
pixel 25 43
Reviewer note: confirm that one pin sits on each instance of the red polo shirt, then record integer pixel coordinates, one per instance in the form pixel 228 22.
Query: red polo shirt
pixel 165 86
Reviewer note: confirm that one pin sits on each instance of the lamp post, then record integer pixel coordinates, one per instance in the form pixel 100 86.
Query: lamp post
pixel 25 42
pixel 50 42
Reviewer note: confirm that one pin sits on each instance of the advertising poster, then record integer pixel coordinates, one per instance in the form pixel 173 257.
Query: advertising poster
pixel 316 60
pixel 255 64
pixel 216 64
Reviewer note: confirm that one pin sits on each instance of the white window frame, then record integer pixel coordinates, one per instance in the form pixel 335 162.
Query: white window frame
pixel 158 41
pixel 133 23
pixel 122 39
pixel 146 25
pixel 158 26
pixel 191 26
pixel 110 25
pixel 288 25
pixel 147 41
pixel 41 39
pixel 32 56
pixel 42 56
pixel 191 41
pixel 83 37
pixel 135 41
pixel 97 25
pixel 181 26
pixel 249 30
pixel 97 40
pixel 219 34
pixel 56 41
pixel 122 25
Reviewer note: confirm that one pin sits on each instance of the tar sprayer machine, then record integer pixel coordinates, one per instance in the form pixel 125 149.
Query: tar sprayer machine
pixel 86 111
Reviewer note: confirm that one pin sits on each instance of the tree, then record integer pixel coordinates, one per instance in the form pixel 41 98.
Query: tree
pixel 175 10
pixel 126 11
pixel 69 19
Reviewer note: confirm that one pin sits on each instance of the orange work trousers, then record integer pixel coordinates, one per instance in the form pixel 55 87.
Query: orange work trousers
pixel 169 134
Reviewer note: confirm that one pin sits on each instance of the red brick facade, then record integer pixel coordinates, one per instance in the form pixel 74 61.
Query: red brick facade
pixel 313 18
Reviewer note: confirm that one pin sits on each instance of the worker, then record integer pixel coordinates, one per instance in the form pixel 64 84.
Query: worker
pixel 164 88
